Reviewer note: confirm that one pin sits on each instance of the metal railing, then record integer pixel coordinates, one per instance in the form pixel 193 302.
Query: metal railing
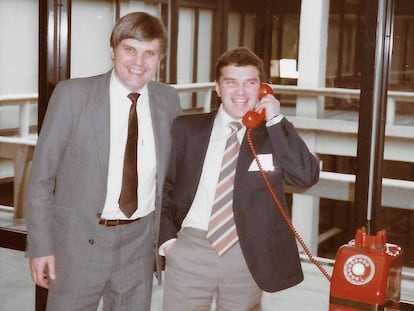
pixel 395 98
pixel 23 101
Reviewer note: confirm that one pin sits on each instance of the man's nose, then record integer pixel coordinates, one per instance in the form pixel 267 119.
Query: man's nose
pixel 138 58
pixel 241 89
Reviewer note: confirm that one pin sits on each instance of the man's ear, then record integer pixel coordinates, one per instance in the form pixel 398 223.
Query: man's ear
pixel 217 89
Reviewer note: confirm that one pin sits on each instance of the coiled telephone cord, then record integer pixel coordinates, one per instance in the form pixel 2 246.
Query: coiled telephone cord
pixel 282 211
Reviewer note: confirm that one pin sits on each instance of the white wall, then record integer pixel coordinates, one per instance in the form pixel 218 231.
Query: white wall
pixel 92 23
pixel 18 46
pixel 19 42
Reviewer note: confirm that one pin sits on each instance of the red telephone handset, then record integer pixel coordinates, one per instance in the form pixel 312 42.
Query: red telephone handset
pixel 252 119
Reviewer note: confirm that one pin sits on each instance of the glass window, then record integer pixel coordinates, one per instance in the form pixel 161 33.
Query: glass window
pixel 92 23
pixel 18 59
pixel 234 32
pixel 18 76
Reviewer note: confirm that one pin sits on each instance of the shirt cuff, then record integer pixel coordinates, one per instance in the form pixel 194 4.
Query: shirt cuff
pixel 164 245
pixel 274 120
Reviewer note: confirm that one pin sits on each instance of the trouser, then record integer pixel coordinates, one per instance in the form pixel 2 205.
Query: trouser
pixel 195 274
pixel 113 263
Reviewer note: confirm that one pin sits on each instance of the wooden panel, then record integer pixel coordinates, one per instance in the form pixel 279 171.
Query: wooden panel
pixel 12 239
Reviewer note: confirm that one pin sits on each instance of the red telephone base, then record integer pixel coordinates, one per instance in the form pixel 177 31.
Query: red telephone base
pixel 367 274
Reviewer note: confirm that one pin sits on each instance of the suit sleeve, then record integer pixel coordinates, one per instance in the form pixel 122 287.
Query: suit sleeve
pixel 300 167
pixel 168 228
pixel 49 150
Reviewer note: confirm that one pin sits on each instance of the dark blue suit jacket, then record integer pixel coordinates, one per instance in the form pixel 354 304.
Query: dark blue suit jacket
pixel 269 247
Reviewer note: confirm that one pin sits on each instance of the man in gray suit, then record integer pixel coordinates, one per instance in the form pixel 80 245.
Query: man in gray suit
pixel 82 247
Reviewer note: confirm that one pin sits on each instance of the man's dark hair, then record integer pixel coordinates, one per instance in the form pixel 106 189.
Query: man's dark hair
pixel 239 57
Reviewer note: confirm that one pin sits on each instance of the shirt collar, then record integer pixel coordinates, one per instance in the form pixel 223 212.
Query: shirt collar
pixel 224 118
pixel 122 90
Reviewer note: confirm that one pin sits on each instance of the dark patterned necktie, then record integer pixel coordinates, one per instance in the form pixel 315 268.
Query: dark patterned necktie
pixel 222 232
pixel 128 199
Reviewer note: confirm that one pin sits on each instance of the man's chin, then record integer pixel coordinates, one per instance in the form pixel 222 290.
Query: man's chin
pixel 241 113
pixel 136 86
pixel 237 112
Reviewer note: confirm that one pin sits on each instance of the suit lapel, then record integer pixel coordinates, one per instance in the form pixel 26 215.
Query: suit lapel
pixel 199 143
pixel 196 149
pixel 158 113
pixel 99 110
pixel 161 127
pixel 258 137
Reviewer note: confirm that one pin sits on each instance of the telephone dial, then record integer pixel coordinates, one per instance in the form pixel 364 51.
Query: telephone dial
pixel 367 274
pixel 367 270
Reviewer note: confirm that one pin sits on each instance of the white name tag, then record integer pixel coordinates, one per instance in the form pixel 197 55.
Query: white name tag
pixel 266 160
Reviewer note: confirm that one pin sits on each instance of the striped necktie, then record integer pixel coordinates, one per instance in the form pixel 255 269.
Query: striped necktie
pixel 222 232
pixel 128 199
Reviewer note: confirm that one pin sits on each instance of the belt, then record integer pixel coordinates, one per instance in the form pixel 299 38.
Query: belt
pixel 116 222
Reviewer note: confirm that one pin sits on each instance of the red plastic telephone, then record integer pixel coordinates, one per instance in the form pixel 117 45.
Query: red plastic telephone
pixel 367 274
pixel 252 119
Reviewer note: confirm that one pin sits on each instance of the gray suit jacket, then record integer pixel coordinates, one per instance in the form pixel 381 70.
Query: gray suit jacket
pixel 68 176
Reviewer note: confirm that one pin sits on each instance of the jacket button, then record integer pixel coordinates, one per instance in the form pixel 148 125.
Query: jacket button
pixel 91 241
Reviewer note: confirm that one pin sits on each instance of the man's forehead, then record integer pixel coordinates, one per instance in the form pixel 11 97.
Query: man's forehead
pixel 151 44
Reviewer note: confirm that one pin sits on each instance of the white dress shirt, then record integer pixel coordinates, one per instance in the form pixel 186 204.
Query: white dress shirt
pixel 200 211
pixel 119 112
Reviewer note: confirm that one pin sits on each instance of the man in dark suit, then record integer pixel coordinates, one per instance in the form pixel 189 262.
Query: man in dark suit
pixel 82 243
pixel 256 251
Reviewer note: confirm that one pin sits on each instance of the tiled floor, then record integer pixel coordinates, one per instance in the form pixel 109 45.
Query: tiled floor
pixel 17 293
pixel 16 290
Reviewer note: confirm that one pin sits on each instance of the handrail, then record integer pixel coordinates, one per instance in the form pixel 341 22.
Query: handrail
pixel 278 88
pixel 194 87
pixel 25 100
pixel 204 87
pixel 5 99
